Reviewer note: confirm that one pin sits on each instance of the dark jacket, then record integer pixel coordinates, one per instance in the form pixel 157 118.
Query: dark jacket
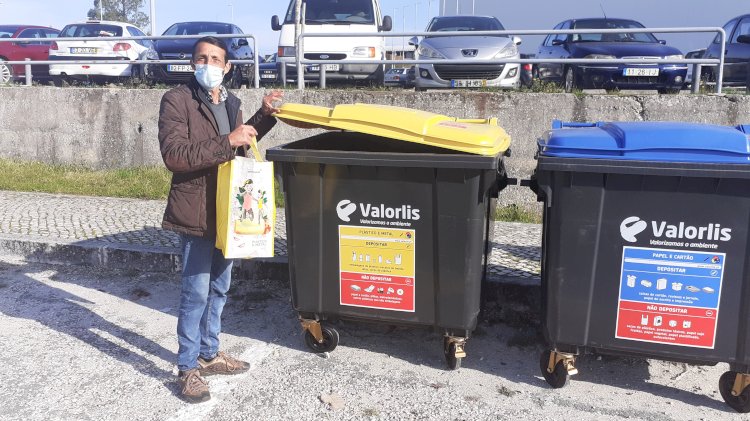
pixel 192 150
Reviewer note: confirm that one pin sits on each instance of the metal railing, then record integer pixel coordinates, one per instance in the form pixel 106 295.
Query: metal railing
pixel 28 63
pixel 698 62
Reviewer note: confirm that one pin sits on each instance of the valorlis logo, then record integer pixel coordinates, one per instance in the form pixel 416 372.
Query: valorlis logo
pixel 346 208
pixel 633 225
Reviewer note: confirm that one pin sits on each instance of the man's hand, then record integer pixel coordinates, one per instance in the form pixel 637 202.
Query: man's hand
pixel 268 107
pixel 242 136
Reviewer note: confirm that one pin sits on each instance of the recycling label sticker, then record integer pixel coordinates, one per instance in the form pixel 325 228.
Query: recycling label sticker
pixel 669 296
pixel 377 267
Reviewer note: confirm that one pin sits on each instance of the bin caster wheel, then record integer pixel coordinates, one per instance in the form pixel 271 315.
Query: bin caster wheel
pixel 453 348
pixel 735 390
pixel 329 343
pixel 556 372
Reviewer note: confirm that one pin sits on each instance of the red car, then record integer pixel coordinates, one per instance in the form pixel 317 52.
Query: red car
pixel 35 50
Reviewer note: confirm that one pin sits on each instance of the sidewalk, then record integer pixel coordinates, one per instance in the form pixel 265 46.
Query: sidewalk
pixel 127 234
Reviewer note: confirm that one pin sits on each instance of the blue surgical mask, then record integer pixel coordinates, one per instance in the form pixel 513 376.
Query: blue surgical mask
pixel 209 77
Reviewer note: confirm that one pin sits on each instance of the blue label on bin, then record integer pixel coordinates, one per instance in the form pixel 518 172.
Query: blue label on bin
pixel 669 296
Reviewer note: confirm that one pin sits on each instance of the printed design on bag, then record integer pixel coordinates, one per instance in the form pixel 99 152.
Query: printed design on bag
pixel 250 205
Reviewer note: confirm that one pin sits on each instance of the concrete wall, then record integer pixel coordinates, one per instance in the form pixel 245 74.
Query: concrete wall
pixel 105 128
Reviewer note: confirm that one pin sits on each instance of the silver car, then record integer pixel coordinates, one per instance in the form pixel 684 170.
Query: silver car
pixel 472 48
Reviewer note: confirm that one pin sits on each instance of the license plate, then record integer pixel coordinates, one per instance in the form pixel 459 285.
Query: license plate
pixel 179 68
pixel 468 83
pixel 268 76
pixel 640 72
pixel 83 50
pixel 328 67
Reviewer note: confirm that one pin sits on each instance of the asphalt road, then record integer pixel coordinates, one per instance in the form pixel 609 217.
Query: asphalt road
pixel 87 344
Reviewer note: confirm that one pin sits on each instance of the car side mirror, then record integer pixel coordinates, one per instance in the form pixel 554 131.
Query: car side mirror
pixel 743 39
pixel 517 40
pixel 243 42
pixel 662 42
pixel 414 41
pixel 387 24
pixel 558 42
pixel 275 25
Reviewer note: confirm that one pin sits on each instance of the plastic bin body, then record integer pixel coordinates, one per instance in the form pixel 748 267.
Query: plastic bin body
pixel 445 202
pixel 647 256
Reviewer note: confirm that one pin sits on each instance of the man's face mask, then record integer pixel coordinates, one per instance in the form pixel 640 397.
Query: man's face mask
pixel 209 77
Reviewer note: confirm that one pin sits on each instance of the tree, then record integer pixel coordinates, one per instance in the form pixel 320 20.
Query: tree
pixel 122 11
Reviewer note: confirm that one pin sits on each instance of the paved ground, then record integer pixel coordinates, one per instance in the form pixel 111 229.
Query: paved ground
pixel 135 225
pixel 83 343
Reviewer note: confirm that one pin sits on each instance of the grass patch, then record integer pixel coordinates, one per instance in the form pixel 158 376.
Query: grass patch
pixel 515 213
pixel 135 183
pixel 141 182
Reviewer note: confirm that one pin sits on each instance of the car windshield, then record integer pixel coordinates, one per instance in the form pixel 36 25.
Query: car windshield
pixel 611 24
pixel 7 31
pixel 91 30
pixel 199 28
pixel 464 23
pixel 336 12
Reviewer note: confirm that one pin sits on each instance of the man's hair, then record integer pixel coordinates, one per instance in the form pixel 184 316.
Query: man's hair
pixel 213 41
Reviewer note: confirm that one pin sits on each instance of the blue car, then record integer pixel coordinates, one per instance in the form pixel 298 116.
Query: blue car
pixel 666 78
pixel 736 53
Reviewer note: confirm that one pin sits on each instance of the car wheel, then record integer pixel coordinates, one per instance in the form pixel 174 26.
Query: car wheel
pixel 570 80
pixel 59 81
pixel 136 74
pixel 235 79
pixel 5 75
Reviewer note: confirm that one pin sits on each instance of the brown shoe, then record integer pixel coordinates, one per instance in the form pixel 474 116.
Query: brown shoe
pixel 194 387
pixel 222 364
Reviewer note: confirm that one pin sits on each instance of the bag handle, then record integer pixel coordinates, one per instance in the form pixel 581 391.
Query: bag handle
pixel 256 151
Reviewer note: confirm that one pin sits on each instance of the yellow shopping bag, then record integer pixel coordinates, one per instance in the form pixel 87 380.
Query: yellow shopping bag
pixel 245 207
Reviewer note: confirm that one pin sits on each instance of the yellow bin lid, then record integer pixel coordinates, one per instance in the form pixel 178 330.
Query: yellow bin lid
pixel 475 136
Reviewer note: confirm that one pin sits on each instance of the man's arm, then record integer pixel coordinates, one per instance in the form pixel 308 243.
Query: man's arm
pixel 177 151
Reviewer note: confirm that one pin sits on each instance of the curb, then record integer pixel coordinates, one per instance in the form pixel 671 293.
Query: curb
pixel 515 301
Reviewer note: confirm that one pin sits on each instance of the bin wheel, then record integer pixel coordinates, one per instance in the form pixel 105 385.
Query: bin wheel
pixel 740 403
pixel 558 378
pixel 330 340
pixel 450 348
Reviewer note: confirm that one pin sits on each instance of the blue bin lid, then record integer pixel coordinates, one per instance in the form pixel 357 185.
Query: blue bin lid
pixel 648 141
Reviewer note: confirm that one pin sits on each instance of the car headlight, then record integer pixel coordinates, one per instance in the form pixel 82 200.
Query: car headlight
pixel 509 51
pixel 427 52
pixel 152 55
pixel 364 52
pixel 287 52
pixel 675 57
pixel 600 56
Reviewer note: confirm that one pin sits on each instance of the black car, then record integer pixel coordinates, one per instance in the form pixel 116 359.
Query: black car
pixel 269 71
pixel 666 78
pixel 239 49
pixel 737 52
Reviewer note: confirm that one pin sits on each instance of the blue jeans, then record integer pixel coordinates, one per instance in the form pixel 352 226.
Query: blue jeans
pixel 206 276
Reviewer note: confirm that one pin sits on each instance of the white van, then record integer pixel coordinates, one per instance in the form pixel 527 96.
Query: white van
pixel 335 16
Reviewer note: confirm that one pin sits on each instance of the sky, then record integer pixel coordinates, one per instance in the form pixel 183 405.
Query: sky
pixel 254 16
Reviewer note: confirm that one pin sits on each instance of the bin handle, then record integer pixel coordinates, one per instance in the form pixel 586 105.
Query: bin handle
pixel 559 124
pixel 541 145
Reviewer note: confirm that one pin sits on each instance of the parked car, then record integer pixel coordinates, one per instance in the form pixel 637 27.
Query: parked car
pixel 98 48
pixel 396 77
pixel 269 71
pixel 472 48
pixel 737 52
pixel 35 50
pixel 182 49
pixel 666 78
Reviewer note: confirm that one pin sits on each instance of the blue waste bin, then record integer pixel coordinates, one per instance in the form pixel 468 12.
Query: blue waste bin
pixel 645 245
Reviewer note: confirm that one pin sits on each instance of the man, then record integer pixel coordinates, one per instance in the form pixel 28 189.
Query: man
pixel 200 127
